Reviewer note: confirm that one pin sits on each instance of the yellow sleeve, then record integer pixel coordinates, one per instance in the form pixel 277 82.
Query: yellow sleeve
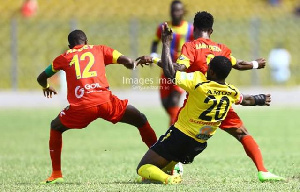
pixel 238 97
pixel 183 60
pixel 188 81
pixel 116 55
pixel 233 60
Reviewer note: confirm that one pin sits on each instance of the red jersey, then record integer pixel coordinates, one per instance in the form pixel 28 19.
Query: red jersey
pixel 196 55
pixel 85 73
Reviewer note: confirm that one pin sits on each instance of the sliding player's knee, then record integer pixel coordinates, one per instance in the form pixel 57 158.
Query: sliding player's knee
pixel 57 126
pixel 143 118
pixel 241 132
pixel 237 133
pixel 165 103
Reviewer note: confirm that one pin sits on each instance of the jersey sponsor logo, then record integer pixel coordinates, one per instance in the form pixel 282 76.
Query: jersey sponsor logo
pixel 203 136
pixel 79 91
pixel 207 123
pixel 92 86
pixel 88 88
pixel 205 132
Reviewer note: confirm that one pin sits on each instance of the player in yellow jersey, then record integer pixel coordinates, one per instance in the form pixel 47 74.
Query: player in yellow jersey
pixel 194 57
pixel 207 104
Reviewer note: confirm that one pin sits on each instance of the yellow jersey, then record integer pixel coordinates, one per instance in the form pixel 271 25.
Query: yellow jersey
pixel 206 105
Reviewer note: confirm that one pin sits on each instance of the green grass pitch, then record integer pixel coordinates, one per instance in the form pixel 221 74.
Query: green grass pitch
pixel 104 156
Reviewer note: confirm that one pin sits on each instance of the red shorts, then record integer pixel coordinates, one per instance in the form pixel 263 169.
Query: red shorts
pixel 231 120
pixel 167 87
pixel 77 118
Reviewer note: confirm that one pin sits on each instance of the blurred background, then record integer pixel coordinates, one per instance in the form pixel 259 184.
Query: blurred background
pixel 34 32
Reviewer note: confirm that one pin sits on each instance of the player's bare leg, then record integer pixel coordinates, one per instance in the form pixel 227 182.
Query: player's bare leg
pixel 151 167
pixel 134 117
pixel 171 105
pixel 253 151
pixel 55 146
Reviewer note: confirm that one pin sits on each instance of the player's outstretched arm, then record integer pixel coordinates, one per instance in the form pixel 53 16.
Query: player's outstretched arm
pixel 146 60
pixel 47 89
pixel 247 65
pixel 126 61
pixel 166 60
pixel 260 99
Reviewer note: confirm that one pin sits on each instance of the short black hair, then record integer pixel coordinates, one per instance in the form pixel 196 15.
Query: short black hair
pixel 175 2
pixel 203 21
pixel 77 37
pixel 221 66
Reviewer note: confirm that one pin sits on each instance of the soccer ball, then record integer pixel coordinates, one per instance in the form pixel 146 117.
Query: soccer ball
pixel 178 169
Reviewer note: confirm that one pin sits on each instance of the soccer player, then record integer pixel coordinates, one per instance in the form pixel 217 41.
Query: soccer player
pixel 88 95
pixel 208 103
pixel 182 32
pixel 195 56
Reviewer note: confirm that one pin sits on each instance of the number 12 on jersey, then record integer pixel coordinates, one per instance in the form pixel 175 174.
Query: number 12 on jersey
pixel 86 72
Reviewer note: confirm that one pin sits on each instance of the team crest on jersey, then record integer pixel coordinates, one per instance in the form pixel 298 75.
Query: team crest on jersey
pixel 181 57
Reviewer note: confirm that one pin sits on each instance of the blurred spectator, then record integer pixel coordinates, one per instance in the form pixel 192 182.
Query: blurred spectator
pixel 279 60
pixel 297 11
pixel 29 8
pixel 274 2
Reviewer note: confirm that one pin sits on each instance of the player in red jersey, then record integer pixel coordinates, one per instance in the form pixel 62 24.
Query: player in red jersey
pixel 194 57
pixel 88 95
pixel 182 32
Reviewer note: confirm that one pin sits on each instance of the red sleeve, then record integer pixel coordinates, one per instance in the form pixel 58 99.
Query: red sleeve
pixel 189 52
pixel 59 63
pixel 110 55
pixel 107 54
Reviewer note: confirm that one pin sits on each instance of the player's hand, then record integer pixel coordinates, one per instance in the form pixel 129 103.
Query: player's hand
pixel 268 99
pixel 144 60
pixel 167 34
pixel 261 63
pixel 49 91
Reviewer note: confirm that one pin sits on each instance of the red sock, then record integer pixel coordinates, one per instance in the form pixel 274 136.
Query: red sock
pixel 55 146
pixel 148 134
pixel 253 152
pixel 173 111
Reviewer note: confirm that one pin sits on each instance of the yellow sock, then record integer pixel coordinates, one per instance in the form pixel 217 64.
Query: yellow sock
pixel 152 172
pixel 169 167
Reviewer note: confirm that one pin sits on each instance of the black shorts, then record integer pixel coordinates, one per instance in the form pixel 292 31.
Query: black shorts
pixel 178 147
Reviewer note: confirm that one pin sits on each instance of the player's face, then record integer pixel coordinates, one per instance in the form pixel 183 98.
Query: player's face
pixel 177 12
